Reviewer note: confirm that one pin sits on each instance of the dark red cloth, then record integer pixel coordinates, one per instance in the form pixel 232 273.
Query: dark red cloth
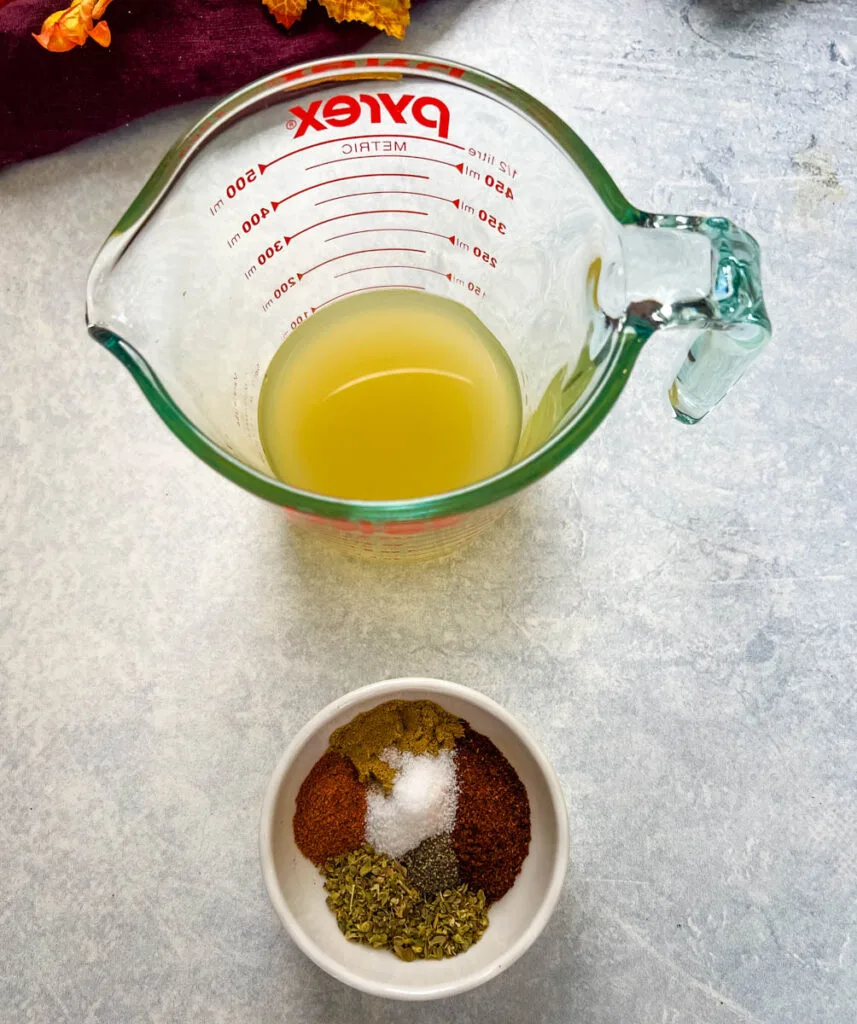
pixel 162 52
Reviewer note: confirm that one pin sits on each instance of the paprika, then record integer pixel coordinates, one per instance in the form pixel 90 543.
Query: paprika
pixel 330 810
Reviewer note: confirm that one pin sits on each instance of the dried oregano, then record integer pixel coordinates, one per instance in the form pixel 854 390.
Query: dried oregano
pixel 374 904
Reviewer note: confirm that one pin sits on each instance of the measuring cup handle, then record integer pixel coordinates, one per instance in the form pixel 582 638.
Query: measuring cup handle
pixel 704 273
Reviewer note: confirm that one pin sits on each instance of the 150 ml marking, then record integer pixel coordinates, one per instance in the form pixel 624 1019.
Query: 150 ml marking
pixel 471 286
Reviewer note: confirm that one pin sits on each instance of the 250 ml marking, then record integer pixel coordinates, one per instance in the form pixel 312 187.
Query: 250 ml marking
pixel 476 250
pixel 486 257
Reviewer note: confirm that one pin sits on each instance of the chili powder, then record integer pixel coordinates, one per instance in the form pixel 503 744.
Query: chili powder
pixel 330 810
pixel 491 836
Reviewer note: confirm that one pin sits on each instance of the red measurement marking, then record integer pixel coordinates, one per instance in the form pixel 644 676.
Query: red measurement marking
pixel 387 156
pixel 391 266
pixel 343 216
pixel 358 252
pixel 376 288
pixel 391 192
pixel 351 138
pixel 349 177
pixel 368 231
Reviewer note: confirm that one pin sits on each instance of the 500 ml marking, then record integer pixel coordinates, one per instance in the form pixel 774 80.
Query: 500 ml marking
pixel 232 190
pixel 240 183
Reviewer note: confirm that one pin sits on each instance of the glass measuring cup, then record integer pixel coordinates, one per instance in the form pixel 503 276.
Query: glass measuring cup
pixel 343 176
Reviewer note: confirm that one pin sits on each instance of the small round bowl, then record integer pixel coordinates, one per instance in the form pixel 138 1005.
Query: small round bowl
pixel 296 886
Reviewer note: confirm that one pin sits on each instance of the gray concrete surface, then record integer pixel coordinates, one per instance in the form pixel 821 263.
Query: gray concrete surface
pixel 673 611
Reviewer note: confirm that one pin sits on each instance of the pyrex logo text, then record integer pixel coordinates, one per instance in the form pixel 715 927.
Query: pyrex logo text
pixel 342 111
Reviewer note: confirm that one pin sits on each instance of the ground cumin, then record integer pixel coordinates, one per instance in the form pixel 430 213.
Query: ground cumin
pixel 415 726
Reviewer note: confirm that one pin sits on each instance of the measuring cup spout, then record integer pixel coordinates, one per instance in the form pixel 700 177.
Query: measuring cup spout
pixel 702 273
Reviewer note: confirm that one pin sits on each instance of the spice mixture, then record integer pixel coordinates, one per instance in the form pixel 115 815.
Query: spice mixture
pixel 418 823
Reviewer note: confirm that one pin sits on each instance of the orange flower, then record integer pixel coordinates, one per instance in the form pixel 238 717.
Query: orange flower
pixel 66 29
pixel 63 30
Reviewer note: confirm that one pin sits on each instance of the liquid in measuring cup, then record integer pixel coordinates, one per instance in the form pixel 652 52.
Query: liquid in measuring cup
pixel 389 395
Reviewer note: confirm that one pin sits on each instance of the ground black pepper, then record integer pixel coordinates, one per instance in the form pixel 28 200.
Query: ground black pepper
pixel 432 866
pixel 491 836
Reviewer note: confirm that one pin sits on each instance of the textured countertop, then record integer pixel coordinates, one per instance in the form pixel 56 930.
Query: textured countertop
pixel 673 612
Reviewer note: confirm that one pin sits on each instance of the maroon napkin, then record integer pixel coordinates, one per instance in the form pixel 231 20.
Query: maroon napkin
pixel 162 52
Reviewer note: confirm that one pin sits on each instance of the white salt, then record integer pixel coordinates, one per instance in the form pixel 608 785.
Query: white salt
pixel 422 803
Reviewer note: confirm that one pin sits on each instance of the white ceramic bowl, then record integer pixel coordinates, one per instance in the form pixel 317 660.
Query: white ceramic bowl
pixel 295 885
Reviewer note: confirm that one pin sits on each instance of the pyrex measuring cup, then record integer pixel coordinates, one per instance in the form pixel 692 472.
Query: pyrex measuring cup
pixel 344 176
